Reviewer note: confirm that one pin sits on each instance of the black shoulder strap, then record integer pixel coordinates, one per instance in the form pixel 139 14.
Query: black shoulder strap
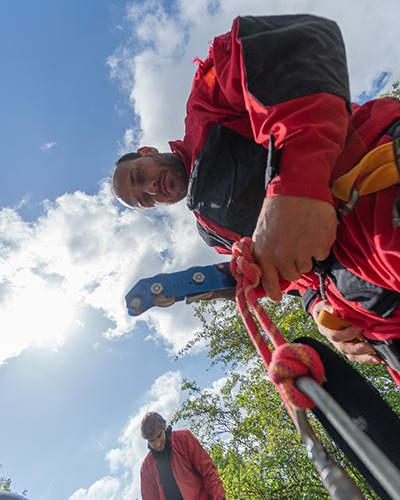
pixel 364 405
pixel 227 181
pixel 213 239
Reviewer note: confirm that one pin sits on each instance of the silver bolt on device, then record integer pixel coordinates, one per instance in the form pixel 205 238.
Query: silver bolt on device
pixel 198 278
pixel 156 288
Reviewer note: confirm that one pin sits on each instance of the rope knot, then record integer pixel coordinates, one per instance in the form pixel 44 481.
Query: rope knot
pixel 243 263
pixel 290 361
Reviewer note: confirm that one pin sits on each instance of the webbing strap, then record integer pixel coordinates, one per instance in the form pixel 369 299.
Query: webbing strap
pixel 378 165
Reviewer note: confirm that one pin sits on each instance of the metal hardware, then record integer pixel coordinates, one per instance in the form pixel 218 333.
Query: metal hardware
pixel 198 278
pixel 335 479
pixel 156 288
pixel 135 306
pixel 165 289
pixel 353 200
pixel 372 457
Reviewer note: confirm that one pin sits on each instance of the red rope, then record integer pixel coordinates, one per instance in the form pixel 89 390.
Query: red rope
pixel 288 361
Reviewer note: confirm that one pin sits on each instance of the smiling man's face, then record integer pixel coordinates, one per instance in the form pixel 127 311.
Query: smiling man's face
pixel 150 180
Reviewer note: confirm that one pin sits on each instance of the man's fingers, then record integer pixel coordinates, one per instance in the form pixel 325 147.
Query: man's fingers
pixel 303 266
pixel 345 334
pixel 360 352
pixel 355 348
pixel 347 340
pixel 271 292
pixel 270 283
pixel 291 230
pixel 371 359
pixel 289 271
pixel 322 253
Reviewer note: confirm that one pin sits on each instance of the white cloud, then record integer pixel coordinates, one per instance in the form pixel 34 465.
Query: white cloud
pixel 23 202
pixel 106 488
pixel 84 252
pixel 125 461
pixel 48 146
pixel 155 64
pixel 128 142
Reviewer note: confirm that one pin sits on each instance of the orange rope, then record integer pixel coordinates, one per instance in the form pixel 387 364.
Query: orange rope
pixel 288 361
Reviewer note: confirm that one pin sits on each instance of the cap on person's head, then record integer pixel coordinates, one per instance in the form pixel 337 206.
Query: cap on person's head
pixel 151 422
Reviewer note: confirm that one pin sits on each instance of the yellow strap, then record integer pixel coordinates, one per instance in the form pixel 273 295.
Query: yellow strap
pixel 381 167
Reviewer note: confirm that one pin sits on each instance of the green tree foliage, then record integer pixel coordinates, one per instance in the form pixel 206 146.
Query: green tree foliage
pixel 395 92
pixel 5 484
pixel 244 424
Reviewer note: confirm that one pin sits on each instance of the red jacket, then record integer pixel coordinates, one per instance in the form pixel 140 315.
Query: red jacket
pixel 319 140
pixel 193 469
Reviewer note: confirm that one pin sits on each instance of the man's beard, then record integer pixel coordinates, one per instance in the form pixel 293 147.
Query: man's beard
pixel 175 165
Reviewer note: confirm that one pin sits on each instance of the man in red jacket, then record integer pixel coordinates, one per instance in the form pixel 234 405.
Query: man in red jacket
pixel 268 131
pixel 177 466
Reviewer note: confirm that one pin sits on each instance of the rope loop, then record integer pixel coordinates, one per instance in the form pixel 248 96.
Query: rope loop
pixel 290 361
pixel 243 263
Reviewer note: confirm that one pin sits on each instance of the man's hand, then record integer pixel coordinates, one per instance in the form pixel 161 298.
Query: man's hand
pixel 290 231
pixel 346 340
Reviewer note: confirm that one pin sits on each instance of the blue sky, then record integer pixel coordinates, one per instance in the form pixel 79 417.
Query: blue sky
pixel 58 97
pixel 84 81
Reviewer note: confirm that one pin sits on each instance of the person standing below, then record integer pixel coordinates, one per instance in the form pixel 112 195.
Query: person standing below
pixel 177 467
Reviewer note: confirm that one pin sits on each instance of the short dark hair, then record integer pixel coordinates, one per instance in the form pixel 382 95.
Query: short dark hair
pixel 126 157
pixel 150 423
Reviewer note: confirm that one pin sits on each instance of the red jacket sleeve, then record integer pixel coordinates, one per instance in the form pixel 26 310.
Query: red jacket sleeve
pixel 311 133
pixel 148 482
pixel 202 461
pixel 309 130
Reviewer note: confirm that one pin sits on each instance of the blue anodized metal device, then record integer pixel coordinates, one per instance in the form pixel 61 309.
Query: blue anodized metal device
pixel 192 284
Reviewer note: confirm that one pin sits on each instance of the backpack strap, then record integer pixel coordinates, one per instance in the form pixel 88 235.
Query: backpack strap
pixel 364 405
